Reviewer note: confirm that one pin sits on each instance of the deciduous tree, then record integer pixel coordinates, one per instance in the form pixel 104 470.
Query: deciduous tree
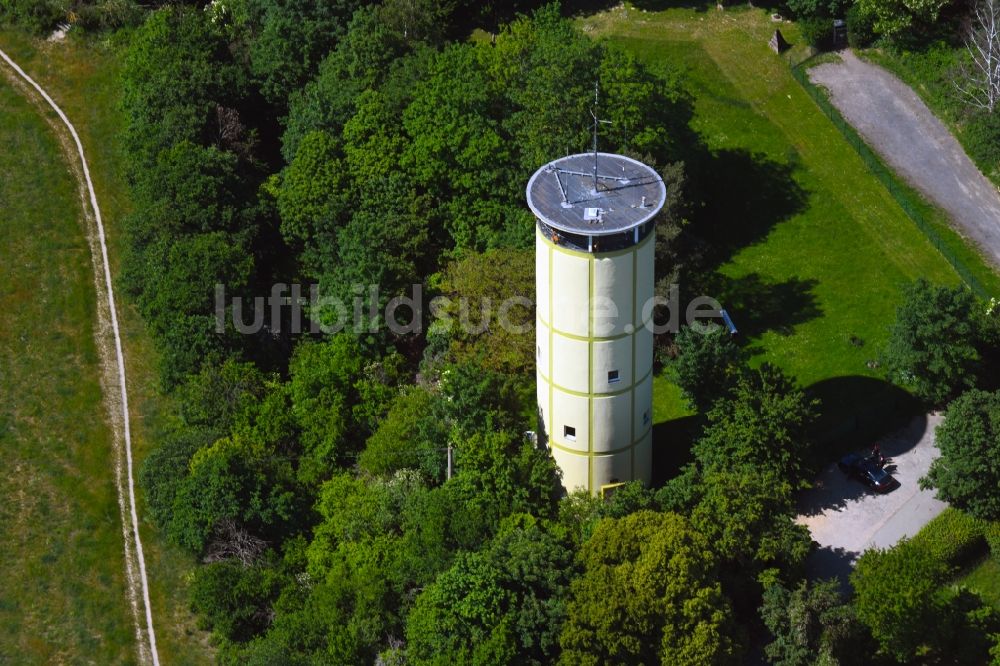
pixel 967 474
pixel 504 604
pixel 647 595
pixel 897 595
pixel 322 389
pixel 932 344
pixel 291 38
pixel 707 365
pixel 979 79
pixel 812 624
pixel 763 424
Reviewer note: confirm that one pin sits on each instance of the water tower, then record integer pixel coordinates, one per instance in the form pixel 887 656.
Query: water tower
pixel 594 251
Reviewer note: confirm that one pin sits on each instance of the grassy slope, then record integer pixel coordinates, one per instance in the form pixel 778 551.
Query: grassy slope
pixel 63 592
pixel 83 78
pixel 828 269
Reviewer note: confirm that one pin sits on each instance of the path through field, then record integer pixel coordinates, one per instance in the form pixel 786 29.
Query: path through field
pixel 900 127
pixel 111 362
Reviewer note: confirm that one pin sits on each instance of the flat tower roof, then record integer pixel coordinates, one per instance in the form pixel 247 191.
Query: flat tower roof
pixel 628 193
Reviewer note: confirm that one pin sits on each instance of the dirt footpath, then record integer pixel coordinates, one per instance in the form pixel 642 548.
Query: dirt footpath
pixel 900 127
pixel 846 518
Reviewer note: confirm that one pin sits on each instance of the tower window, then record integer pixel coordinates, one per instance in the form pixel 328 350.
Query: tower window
pixel 613 377
pixel 645 417
pixel 538 350
pixel 569 432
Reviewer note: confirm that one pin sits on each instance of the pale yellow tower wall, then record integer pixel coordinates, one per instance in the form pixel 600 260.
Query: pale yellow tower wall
pixel 589 326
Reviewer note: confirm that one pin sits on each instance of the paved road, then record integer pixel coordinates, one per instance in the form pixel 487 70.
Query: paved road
pixel 845 518
pixel 900 127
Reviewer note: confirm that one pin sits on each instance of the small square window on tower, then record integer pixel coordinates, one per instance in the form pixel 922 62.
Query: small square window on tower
pixel 645 418
pixel 613 377
pixel 569 432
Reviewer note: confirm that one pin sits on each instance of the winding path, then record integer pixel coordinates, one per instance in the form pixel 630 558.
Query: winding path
pixel 120 421
pixel 900 127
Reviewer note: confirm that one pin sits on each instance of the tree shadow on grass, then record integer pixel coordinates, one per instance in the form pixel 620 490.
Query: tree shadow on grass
pixel 757 306
pixel 858 410
pixel 826 562
pixel 672 441
pixel 746 194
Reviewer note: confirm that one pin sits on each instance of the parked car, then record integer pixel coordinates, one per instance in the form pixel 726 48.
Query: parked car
pixel 868 471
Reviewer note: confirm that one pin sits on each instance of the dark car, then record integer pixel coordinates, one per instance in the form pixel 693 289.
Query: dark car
pixel 868 471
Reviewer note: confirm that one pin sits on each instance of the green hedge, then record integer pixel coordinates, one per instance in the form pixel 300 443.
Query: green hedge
pixel 992 534
pixel 954 538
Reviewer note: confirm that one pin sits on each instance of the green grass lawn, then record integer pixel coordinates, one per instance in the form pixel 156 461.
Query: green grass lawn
pixel 82 75
pixel 63 595
pixel 821 249
pixel 984 579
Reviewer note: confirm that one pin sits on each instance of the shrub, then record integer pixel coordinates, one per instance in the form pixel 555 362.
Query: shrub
pixel 896 594
pixel 806 8
pixel 108 15
pixel 707 365
pixel 801 9
pixel 982 140
pixel 954 538
pixel 860 28
pixel 817 32
pixel 39 16
pixel 966 475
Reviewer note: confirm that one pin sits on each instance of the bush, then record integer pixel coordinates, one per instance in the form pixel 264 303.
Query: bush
pixel 954 538
pixel 982 140
pixel 109 15
pixel 966 475
pixel 707 365
pixel 39 16
pixel 860 28
pixel 801 9
pixel 817 32
pixel 896 594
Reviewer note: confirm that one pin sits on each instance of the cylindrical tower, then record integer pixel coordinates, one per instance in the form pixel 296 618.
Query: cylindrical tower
pixel 594 249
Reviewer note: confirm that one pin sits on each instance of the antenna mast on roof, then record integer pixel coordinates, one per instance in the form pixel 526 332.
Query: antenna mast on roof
pixel 597 123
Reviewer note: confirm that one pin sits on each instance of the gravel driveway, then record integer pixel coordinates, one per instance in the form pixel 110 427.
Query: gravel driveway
pixel 900 127
pixel 846 518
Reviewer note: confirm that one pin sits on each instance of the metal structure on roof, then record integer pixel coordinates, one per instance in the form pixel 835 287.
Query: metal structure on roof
pixel 595 194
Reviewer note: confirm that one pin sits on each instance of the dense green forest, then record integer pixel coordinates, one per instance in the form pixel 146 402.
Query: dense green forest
pixel 349 144
pixel 344 143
